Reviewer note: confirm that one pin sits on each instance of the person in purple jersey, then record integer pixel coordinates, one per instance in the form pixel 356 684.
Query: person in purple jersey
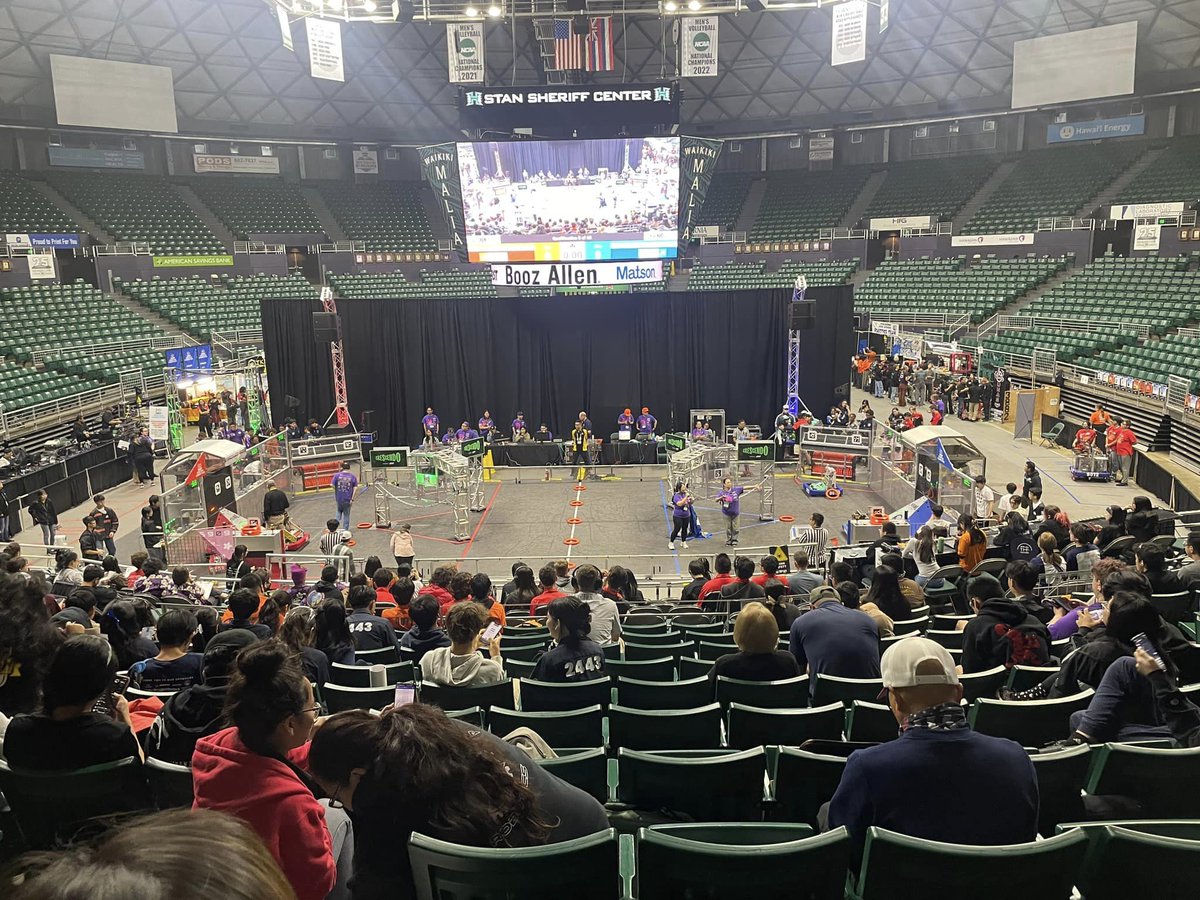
pixel 430 424
pixel 518 424
pixel 486 425
pixel 681 515
pixel 344 483
pixel 730 500
pixel 646 423
pixel 625 419
pixel 465 432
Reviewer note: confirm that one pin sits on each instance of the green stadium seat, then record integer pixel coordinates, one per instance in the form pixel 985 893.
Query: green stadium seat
pixel 660 781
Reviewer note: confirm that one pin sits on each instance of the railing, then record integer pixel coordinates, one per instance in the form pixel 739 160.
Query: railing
pixel 161 341
pixel 257 247
pixel 728 237
pixel 122 248
pixel 1065 223
pixel 890 325
pixel 59 410
pixel 342 247
pixel 1098 327
pixel 231 343
pixel 935 228
pixel 840 234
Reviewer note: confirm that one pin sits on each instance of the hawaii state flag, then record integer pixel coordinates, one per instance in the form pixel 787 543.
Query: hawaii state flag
pixel 600 57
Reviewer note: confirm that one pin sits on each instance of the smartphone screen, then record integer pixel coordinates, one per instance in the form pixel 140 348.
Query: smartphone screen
pixel 405 694
pixel 1144 644
pixel 493 629
pixel 107 703
pixel 1097 614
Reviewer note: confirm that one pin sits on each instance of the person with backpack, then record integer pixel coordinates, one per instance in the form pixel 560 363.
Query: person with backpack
pixel 1002 633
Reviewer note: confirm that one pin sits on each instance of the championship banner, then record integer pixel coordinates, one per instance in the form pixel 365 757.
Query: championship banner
pixel 697 162
pixel 699 47
pixel 1146 237
pixel 41 265
pixel 439 167
pixel 1145 210
pixel 464 52
pixel 325 49
pixel 992 240
pixel 577 274
pixel 285 28
pixel 849 33
pixel 1095 129
pixel 366 162
pixel 255 165
pixel 883 16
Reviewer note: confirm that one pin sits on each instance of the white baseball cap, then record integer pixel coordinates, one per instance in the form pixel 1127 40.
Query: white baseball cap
pixel 898 666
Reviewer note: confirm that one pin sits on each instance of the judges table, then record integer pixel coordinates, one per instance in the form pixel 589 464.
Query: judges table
pixel 628 453
pixel 69 481
pixel 528 453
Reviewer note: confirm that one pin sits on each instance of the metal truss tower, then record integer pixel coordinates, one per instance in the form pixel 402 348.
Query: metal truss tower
pixel 794 403
pixel 341 404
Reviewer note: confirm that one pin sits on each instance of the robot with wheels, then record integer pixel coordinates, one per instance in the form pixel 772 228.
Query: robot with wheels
pixel 1089 463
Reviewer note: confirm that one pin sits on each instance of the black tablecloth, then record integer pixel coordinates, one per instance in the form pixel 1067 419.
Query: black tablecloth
pixel 627 453
pixel 534 453
pixel 66 481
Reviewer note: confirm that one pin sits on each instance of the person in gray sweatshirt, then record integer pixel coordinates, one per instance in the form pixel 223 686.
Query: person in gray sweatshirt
pixel 460 664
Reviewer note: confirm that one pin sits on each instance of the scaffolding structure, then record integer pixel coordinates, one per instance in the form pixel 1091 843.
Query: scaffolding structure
pixel 794 401
pixel 443 475
pixel 703 467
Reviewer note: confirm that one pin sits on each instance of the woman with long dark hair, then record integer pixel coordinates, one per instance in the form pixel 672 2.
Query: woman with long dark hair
pixel 885 593
pixel 972 542
pixel 414 770
pixel 1114 526
pixel 524 590
pixel 573 656
pixel 298 632
pixel 122 626
pixel 333 634
pixel 1016 539
pixel 41 510
pixel 681 515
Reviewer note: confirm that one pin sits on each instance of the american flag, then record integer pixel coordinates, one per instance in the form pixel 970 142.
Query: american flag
pixel 592 52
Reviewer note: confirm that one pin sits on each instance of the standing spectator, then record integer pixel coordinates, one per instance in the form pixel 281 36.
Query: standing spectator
pixel 402 545
pixel 344 484
pixel 1120 440
pixel 834 640
pixel 811 539
pixel 152 535
pixel 606 625
pixel 937 758
pixel 141 449
pixel 573 656
pixel 985 499
pixel 460 664
pixel 41 510
pixel 369 631
pixel 275 506
pixel 424 635
pixel 106 523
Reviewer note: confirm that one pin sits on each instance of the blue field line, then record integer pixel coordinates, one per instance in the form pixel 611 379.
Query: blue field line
pixel 1066 490
pixel 666 512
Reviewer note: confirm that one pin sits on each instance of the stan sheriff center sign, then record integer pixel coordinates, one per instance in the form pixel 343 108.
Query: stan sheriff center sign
pixel 576 274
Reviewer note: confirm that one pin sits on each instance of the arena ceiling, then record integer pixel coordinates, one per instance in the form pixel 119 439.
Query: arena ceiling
pixel 233 76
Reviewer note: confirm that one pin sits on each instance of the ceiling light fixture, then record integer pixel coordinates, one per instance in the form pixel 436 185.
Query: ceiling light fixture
pixel 494 11
pixel 369 5
pixel 670 6
pixel 693 5
pixel 471 11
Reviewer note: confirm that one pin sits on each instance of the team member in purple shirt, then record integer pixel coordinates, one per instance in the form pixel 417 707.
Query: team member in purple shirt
pixel 518 424
pixel 625 419
pixel 730 500
pixel 486 425
pixel 465 432
pixel 681 515
pixel 344 483
pixel 646 423
pixel 430 424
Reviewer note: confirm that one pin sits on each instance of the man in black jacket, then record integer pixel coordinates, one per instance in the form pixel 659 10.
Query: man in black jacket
pixel 275 506
pixel 106 523
pixel 1002 632
pixel 90 546
pixel 1152 562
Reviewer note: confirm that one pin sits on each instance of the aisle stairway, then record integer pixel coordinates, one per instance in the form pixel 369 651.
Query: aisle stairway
pixel 329 223
pixel 863 201
pixel 1112 193
pixel 1015 308
pixel 87 224
pixel 983 194
pixel 754 198
pixel 205 215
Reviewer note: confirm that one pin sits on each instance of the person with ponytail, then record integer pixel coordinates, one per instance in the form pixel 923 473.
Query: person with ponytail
pixel 252 770
pixel 573 656
pixel 412 769
pixel 972 543
pixel 1049 562
pixel 120 624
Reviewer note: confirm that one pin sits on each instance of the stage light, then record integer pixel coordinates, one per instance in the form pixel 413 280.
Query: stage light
pixel 369 5
pixel 693 5
pixel 494 11
pixel 670 6
pixel 471 11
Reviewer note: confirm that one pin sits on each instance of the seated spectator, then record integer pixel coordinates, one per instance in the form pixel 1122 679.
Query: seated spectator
pixel 28 642
pixel 1022 582
pixel 68 568
pixel 698 569
pixel 723 565
pixel 1057 523
pixel 300 588
pixel 1002 632
pixel 922 552
pixel 1180 717
pixel 153 579
pixel 802 580
pixel 523 590
pixel 548 579
pixel 886 595
pixel 1151 561
pixel 424 635
pixel 756 634
pixel 80 608
pixel 401 590
pixel 197 711
pixel 327 588
pixel 121 625
pixel 250 769
pixel 243 603
pixel 272 612
pixel 616 584
pixel 368 631
pixel 784 611
pixel 1081 554
pixel 1068 617
pixel 460 664
pixel 562 572
pixel 573 656
pixel 381 580
pixel 460 586
pixel 165 854
pixel 1049 563
pixel 511 585
pixel 741 588
pixel 769 566
pixel 939 759
pixel 183 585
pixel 1142 522
pixel 333 633
pixel 412 769
pixel 174 668
pixel 67 734
pixel 886 543
pixel 852 599
pixel 606 621
pixel 972 543
pixel 298 632
pixel 1015 538
pixel 481 593
pixel 832 639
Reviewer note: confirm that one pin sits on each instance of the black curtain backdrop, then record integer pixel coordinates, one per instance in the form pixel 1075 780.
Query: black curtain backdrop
pixel 547 358
pixel 555 157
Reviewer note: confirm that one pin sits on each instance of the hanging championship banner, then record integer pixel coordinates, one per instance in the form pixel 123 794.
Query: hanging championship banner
pixel 439 167
pixel 883 16
pixel 325 49
pixel 849 32
pixel 41 265
pixel 464 52
pixel 699 47
pixel 697 162
pixel 366 162
pixel 285 28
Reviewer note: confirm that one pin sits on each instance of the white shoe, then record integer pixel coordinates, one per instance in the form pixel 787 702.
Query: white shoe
pixel 684 545
pixel 670 545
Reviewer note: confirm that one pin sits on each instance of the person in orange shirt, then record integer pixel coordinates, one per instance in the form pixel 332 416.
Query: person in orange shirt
pixel 1100 419
pixel 972 543
pixel 400 593
pixel 253 581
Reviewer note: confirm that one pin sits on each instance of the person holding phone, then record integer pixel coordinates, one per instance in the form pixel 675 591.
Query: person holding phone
pixel 84 719
pixel 460 664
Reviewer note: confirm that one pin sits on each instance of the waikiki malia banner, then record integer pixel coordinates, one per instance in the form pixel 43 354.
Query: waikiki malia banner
pixel 697 162
pixel 439 167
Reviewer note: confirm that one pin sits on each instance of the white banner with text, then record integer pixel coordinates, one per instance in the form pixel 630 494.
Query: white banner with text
pixel 325 49
pixel 992 240
pixel 895 223
pixel 1145 210
pixel 849 32
pixel 255 165
pixel 698 47
pixel 464 52
pixel 1146 237
pixel 577 274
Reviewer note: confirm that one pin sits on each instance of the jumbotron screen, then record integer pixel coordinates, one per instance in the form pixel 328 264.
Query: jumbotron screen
pixel 571 201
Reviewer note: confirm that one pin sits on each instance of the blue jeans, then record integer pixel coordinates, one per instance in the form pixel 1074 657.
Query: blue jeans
pixel 1123 708
pixel 343 515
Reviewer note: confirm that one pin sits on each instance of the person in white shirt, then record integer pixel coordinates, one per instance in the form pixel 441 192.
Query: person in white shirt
pixel 923 553
pixel 606 619
pixel 985 499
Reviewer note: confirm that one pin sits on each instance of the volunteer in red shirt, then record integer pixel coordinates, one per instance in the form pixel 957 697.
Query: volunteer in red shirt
pixel 439 588
pixel 1085 439
pixel 769 566
pixel 548 578
pixel 1120 440
pixel 253 769
pixel 724 568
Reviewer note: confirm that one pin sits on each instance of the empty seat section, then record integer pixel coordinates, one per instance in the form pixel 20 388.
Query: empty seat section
pixel 738 275
pixel 139 208
pixel 249 205
pixel 455 283
pixel 797 205
pixel 44 316
pixel 930 187
pixel 21 386
pixel 1155 361
pixel 1173 176
pixel 201 306
pixel 386 216
pixel 725 199
pixel 25 209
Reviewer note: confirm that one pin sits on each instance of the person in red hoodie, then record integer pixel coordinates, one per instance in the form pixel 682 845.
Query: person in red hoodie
pixel 550 592
pixel 439 588
pixel 252 770
pixel 724 566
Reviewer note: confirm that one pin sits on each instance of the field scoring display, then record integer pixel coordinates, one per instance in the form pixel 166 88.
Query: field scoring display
pixel 571 201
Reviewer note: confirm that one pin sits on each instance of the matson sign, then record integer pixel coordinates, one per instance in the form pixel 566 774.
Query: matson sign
pixel 577 274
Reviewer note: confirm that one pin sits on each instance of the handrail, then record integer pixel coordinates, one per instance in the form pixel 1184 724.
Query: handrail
pixel 1065 223
pixel 122 248
pixel 164 341
pixel 725 237
pixel 72 406
pixel 839 234
pixel 1085 325
pixel 258 247
pixel 935 228
pixel 342 247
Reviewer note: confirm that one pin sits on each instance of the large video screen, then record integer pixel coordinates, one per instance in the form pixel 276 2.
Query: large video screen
pixel 572 201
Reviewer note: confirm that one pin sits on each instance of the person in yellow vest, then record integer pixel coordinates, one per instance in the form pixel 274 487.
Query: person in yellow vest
pixel 580 440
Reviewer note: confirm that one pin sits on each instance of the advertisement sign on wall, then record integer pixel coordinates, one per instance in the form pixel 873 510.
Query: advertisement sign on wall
pixel 577 274
pixel 1095 130
pixel 96 159
pixel 254 165
pixel 41 265
pixel 992 240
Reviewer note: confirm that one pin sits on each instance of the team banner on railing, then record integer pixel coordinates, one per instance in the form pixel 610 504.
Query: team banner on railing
pixel 698 47
pixel 992 240
pixel 464 52
pixel 49 241
pixel 697 162
pixel 439 167
pixel 96 159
